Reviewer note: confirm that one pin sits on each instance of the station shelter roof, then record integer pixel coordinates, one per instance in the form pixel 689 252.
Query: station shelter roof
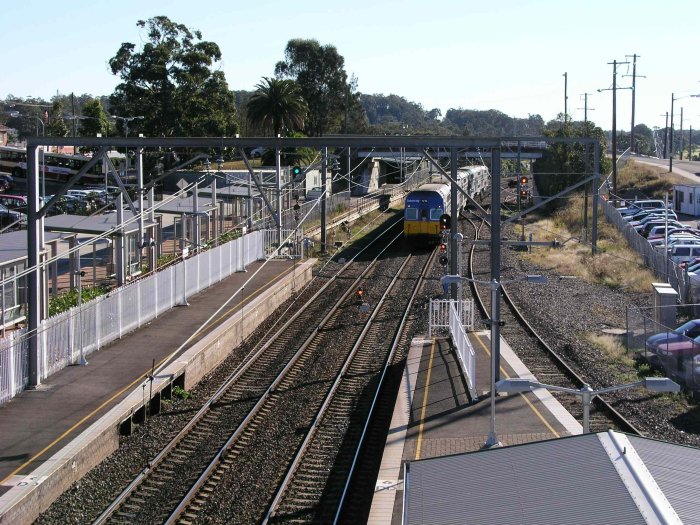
pixel 93 224
pixel 608 477
pixel 13 245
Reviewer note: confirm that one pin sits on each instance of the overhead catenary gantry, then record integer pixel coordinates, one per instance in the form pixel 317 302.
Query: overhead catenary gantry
pixel 490 147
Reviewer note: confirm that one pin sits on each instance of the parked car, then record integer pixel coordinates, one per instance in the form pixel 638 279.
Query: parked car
pixel 646 213
pixel 314 193
pixel 6 182
pixel 651 217
pixel 8 217
pixel 634 207
pixel 644 232
pixel 684 253
pixel 14 202
pixel 668 352
pixel 257 152
pixel 688 330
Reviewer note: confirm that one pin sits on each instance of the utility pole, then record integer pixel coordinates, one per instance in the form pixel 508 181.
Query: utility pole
pixel 666 134
pixel 634 93
pixel 566 98
pixel 680 149
pixel 690 143
pixel 614 64
pixel 586 109
pixel 670 138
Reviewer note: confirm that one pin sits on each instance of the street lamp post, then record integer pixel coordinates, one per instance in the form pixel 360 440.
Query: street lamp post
pixel 654 384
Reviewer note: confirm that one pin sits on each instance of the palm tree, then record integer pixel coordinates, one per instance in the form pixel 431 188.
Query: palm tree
pixel 277 104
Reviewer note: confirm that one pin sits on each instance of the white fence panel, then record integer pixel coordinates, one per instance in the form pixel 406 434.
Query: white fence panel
pixel 127 309
pixel 439 315
pixel 106 318
pixel 465 351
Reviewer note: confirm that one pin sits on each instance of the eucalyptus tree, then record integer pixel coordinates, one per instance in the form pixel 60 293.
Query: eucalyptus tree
pixel 320 72
pixel 173 83
pixel 277 105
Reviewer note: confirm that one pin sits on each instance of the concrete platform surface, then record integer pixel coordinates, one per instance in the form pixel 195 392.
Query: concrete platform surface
pixel 38 423
pixel 434 415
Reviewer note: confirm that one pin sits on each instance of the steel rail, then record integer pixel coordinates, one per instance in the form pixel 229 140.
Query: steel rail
pixel 557 360
pixel 330 397
pixel 202 479
pixel 247 362
pixel 387 365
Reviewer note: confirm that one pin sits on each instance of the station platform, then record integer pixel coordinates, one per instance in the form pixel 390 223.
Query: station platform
pixel 37 425
pixel 434 415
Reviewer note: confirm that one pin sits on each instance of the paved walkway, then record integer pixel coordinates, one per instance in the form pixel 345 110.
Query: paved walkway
pixel 37 423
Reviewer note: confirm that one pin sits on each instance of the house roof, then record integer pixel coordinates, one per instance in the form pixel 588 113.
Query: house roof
pixel 607 477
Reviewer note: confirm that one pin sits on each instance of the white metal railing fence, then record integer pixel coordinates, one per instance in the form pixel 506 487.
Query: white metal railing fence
pixel 439 315
pixel 109 317
pixel 465 351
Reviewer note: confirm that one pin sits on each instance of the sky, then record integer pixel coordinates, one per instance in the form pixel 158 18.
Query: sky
pixel 508 55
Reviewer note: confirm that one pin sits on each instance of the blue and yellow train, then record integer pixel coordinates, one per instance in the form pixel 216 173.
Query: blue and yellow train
pixel 424 206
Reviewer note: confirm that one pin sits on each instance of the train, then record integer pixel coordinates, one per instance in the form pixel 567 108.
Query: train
pixel 424 206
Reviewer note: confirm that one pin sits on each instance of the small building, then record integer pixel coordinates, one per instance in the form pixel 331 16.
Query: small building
pixel 686 199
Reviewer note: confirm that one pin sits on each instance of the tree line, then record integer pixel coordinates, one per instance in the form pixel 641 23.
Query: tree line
pixel 171 85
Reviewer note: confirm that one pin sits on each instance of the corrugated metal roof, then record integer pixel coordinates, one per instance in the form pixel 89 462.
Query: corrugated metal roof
pixel 676 469
pixel 13 245
pixel 93 224
pixel 569 480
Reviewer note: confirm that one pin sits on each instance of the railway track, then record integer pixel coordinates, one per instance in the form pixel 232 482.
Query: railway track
pixel 312 491
pixel 546 365
pixel 249 414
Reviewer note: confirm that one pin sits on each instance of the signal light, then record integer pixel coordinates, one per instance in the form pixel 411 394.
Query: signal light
pixel 523 193
pixel 296 170
pixel 445 221
pixel 360 292
pixel 523 180
pixel 443 247
pixel 443 260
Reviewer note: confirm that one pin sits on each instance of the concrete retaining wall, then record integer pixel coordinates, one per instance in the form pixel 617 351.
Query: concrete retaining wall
pixel 24 502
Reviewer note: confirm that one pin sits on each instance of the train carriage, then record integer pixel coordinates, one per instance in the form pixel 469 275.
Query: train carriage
pixel 424 206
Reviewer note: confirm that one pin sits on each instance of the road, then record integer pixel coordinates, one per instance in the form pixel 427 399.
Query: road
pixel 685 168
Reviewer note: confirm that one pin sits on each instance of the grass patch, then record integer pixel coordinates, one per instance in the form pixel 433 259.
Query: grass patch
pixel 615 265
pixel 642 180
pixel 623 365
pixel 181 393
